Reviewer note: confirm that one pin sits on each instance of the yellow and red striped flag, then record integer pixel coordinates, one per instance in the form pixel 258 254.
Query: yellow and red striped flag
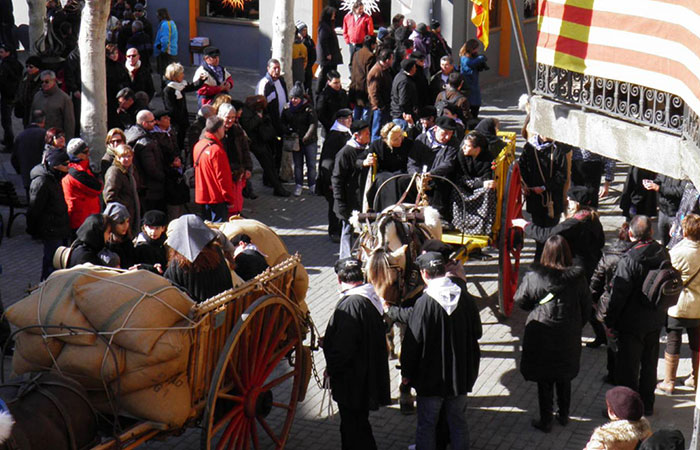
pixel 480 18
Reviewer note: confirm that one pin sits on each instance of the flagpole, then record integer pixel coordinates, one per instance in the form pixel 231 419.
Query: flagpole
pixel 519 43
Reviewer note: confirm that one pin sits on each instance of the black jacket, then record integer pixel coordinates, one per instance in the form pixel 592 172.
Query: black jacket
pixel 552 338
pixel 346 182
pixel 327 44
pixel 301 121
pixel 554 171
pixel 47 215
pixel 90 241
pixel 440 160
pixel 404 96
pixel 149 161
pixel 201 285
pixel 629 310
pixel 149 251
pixel 335 140
pixel 601 281
pixel 440 352
pixel 143 81
pixel 670 194
pixel 356 355
pixel 328 103
pixel 177 107
pixel 471 172
pixel 270 93
pixel 125 251
pixel 29 146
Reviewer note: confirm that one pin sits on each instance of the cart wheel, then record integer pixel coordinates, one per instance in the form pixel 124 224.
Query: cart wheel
pixel 510 242
pixel 253 398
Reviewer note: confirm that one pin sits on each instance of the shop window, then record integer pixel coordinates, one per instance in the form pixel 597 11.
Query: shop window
pixel 495 14
pixel 381 18
pixel 231 9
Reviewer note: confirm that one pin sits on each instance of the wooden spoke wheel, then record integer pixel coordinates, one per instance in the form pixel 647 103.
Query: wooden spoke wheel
pixel 510 241
pixel 253 394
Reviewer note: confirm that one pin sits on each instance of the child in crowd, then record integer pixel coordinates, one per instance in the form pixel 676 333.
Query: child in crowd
pixel 150 243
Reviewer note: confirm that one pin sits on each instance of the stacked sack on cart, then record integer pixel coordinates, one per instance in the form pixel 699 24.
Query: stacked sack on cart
pixel 130 339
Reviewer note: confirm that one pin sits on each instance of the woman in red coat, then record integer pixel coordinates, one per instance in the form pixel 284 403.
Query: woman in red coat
pixel 81 188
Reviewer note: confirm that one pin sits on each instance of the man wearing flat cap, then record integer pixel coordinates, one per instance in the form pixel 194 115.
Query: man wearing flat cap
pixel 440 353
pixel 404 94
pixel 357 362
pixel 335 140
pixel 435 152
pixel 217 80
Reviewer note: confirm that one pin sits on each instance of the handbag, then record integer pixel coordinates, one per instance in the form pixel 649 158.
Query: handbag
pixel 290 143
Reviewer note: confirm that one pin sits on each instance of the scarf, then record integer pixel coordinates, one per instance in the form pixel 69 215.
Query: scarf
pixel 251 247
pixel 218 73
pixel 367 291
pixel 353 143
pixel 178 87
pixel 132 69
pixel 337 126
pixel 445 292
pixel 540 146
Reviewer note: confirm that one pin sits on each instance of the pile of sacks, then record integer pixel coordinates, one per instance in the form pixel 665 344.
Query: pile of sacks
pixel 143 317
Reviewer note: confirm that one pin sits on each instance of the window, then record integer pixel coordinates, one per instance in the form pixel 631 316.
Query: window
pixel 231 9
pixel 495 14
pixel 381 18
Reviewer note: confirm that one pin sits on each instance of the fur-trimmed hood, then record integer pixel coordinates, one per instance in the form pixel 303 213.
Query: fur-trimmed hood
pixel 557 279
pixel 621 434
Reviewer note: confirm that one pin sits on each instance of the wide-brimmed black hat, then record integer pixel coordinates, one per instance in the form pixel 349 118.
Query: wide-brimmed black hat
pixel 446 123
pixel 212 51
pixel 358 125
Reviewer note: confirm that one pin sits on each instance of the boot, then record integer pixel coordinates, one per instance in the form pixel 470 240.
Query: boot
pixel 692 380
pixel 406 403
pixel 669 382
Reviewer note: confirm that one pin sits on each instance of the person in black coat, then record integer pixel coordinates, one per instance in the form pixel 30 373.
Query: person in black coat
pixel 140 79
pixel 174 98
pixel 670 193
pixel 10 78
pixel 327 49
pixel 250 262
pixel 489 129
pixel 601 285
pixel 357 362
pixel 47 215
pixel 29 146
pixel 149 161
pixel 636 199
pixel 346 181
pixel 149 246
pixel 202 279
pixel 630 317
pixel 119 241
pixel 90 242
pixel 332 99
pixel 557 296
pixel 335 140
pixel 404 94
pixel 440 352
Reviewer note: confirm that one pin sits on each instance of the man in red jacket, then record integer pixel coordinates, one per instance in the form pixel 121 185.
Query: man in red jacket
pixel 212 174
pixel 81 188
pixel 357 25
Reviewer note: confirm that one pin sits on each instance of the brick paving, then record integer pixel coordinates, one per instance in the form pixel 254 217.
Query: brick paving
pixel 501 404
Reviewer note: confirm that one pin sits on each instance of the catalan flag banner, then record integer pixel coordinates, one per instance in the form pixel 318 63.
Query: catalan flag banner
pixel 653 43
pixel 480 18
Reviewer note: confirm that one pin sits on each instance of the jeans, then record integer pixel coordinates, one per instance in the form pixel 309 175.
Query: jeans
pixel 345 239
pixel 50 247
pixel 379 119
pixel 428 414
pixel 355 430
pixel 307 152
pixel 216 212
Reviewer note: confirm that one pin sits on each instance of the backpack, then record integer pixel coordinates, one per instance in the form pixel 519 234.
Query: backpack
pixel 662 286
pixel 441 102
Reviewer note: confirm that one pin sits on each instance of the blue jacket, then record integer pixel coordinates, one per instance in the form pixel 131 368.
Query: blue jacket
pixel 166 38
pixel 470 68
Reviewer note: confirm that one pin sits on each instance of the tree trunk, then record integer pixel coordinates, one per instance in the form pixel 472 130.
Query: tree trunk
pixel 283 30
pixel 93 111
pixel 37 15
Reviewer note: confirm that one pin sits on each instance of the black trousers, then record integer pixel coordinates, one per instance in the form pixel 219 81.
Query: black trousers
pixel 637 359
pixel 8 138
pixel 263 153
pixel 545 397
pixel 355 430
pixel 543 221
pixel 675 339
pixel 664 226
pixel 333 221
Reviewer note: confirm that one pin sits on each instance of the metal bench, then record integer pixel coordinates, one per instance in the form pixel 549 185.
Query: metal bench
pixel 9 198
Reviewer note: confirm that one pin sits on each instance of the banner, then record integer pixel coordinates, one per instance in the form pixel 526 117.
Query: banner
pixel 480 18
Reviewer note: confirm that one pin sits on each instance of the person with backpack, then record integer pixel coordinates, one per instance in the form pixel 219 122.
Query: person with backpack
pixel 685 314
pixel 453 95
pixel 632 316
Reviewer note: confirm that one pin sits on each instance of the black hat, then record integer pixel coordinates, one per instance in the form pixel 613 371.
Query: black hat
pixel 343 112
pixel 160 113
pixel 34 61
pixel 417 55
pixel 347 263
pixel 155 218
pixel 56 157
pixel 358 125
pixel 408 64
pixel 427 111
pixel 446 123
pixel 581 195
pixel 212 51
pixel 625 403
pixel 664 440
pixel 430 260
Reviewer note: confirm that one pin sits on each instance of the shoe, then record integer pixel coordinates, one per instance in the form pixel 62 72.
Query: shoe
pixel 281 192
pixel 297 190
pixel 406 404
pixel 671 367
pixel 335 238
pixel 543 426
pixel 312 189
pixel 563 419
pixel 249 195
pixel 595 344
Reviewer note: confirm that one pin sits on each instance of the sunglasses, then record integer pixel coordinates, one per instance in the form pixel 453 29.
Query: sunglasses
pixel 116 141
pixel 46 81
pixel 131 56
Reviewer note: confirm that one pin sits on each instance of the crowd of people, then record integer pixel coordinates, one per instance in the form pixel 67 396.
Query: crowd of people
pixel 409 109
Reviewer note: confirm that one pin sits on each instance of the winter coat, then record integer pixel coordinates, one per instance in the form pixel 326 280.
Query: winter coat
pixel 58 108
pixel 554 169
pixel 177 107
pixel 379 83
pixel 355 29
pixel 670 193
pixel 620 435
pixel 584 235
pixel 10 78
pixel 81 189
pixel 47 215
pixel 149 251
pixel 121 187
pixel 212 86
pixel 203 284
pixel 471 172
pixel 302 121
pixel 404 96
pixel 356 354
pixel 636 199
pixel 237 147
pixel 346 181
pixel 335 140
pixel 26 91
pixel 117 79
pixel 440 159
pixel 629 310
pixel 89 242
pixel 192 135
pixel 440 351
pixel 149 161
pixel 327 44
pixel 266 88
pixel 328 103
pixel 29 146
pixel 125 250
pixel 212 173
pixel 140 80
pixel 362 62
pixel 601 281
pixel 685 257
pixel 452 96
pixel 560 304
pixel 166 38
pixel 470 68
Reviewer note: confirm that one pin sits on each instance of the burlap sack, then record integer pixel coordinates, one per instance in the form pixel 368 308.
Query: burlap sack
pixel 94 362
pixel 53 304
pixel 120 302
pixel 167 403
pixel 21 365
pixel 36 349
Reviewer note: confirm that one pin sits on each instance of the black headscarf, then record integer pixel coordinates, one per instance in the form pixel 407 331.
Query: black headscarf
pixel 91 232
pixel 487 127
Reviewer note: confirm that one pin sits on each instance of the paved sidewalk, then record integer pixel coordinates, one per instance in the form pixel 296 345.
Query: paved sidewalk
pixel 502 403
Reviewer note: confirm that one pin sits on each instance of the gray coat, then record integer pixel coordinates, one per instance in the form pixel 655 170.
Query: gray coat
pixel 58 108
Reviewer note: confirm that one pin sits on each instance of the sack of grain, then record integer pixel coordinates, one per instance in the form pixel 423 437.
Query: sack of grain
pixel 167 403
pixel 130 304
pixel 95 361
pixel 20 365
pixel 37 349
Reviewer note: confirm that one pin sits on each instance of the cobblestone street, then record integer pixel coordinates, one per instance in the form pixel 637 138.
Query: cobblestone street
pixel 501 405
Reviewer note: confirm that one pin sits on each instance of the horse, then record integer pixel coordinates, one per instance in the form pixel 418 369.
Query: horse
pixel 46 410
